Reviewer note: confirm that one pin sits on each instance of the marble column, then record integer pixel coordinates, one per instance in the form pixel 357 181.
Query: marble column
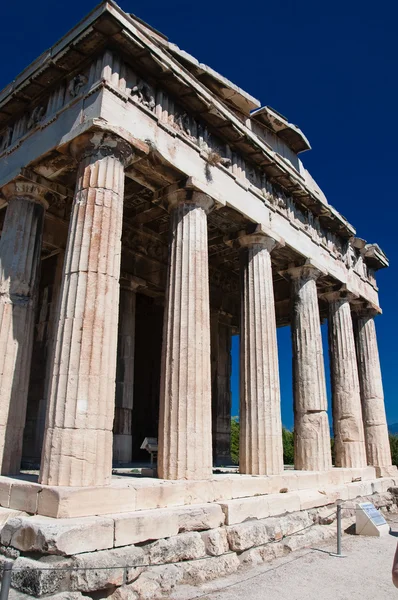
pixel 77 447
pixel 221 339
pixel 261 450
pixel 349 443
pixel 311 424
pixel 185 440
pixel 20 249
pixel 373 410
pixel 122 438
pixel 50 285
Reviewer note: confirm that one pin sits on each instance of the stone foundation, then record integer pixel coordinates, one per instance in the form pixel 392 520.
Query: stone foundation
pixel 146 553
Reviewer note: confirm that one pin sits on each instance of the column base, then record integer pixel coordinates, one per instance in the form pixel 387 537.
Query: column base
pixel 391 471
pixel 128 493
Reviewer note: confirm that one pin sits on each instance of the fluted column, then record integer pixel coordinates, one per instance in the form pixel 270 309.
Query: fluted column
pixel 349 441
pixel 311 424
pixel 122 438
pixel 261 450
pixel 20 249
pixel 77 447
pixel 221 339
pixel 185 442
pixel 373 410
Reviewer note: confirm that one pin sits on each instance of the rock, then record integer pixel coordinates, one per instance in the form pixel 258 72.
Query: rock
pixel 114 567
pixel 146 588
pixel 145 525
pixel 196 572
pixel 200 517
pixel 185 546
pixel 166 576
pixel 245 535
pixel 68 596
pixel 58 536
pixel 125 592
pixel 215 541
pixel 40 578
pixel 256 556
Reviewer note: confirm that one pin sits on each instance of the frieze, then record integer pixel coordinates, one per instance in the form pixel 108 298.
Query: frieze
pixel 76 85
pixel 35 117
pixel 115 73
pixel 144 94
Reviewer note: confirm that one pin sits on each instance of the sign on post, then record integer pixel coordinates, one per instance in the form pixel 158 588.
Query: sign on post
pixel 370 521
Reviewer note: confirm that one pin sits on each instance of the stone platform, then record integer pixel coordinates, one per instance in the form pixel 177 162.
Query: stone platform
pixel 132 493
pixel 143 554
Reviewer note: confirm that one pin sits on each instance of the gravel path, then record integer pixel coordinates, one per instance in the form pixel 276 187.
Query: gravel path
pixel 312 574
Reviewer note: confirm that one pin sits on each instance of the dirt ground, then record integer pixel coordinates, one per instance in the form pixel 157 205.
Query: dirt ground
pixel 312 574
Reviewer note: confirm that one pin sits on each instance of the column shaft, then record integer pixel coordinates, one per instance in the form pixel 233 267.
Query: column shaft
pixel 122 438
pixel 221 390
pixel 261 450
pixel 185 444
pixel 373 410
pixel 78 437
pixel 20 248
pixel 347 414
pixel 311 424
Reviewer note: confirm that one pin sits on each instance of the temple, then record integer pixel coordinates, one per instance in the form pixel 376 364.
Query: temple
pixel 151 209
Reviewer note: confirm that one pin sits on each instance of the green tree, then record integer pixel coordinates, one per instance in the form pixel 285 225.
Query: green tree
pixel 235 440
pixel 394 448
pixel 288 446
pixel 287 438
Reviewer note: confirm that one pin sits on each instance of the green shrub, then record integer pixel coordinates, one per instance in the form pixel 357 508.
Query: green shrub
pixel 287 438
pixel 394 448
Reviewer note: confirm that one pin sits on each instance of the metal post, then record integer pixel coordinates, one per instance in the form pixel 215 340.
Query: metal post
pixel 338 531
pixel 338 521
pixel 6 580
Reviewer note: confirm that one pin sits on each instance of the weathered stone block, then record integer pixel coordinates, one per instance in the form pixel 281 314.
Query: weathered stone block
pixel 196 572
pixel 105 569
pixel 246 535
pixel 24 496
pixel 40 578
pixel 144 525
pixel 5 491
pixel 185 546
pixel 282 503
pixel 242 509
pixel 125 592
pixel 200 517
pixel 58 536
pixel 62 502
pixel 215 541
pixel 256 556
pixel 161 495
pixel 313 499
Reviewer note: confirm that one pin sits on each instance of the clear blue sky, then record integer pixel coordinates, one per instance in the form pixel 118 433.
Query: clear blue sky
pixel 330 67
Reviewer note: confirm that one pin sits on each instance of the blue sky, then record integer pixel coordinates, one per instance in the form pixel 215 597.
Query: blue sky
pixel 330 67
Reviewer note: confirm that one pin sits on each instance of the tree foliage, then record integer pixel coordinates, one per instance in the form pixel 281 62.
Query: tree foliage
pixel 287 438
pixel 235 440
pixel 394 448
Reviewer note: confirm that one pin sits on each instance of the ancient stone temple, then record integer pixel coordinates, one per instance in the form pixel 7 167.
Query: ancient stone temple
pixel 150 209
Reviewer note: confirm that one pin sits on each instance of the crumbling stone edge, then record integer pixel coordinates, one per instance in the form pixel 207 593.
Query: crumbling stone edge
pixel 151 570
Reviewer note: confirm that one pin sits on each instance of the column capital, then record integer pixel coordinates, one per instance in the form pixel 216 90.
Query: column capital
pixel 342 295
pixel 29 190
pixel 100 144
pixel 261 236
pixel 307 271
pixel 367 310
pixel 131 282
pixel 177 195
